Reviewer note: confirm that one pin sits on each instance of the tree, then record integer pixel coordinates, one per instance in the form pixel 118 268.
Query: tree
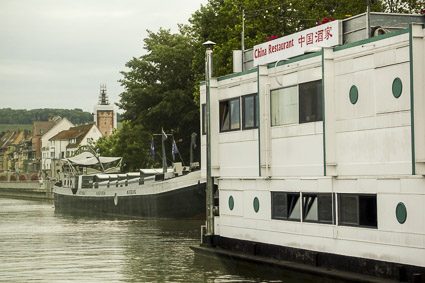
pixel 159 89
pixel 129 143
pixel 403 6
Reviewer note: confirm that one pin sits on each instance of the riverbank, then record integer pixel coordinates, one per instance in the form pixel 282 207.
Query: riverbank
pixel 27 189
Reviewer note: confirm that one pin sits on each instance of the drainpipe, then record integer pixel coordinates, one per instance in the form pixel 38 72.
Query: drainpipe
pixel 210 186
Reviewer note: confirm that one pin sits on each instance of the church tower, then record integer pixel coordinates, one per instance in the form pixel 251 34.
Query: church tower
pixel 105 114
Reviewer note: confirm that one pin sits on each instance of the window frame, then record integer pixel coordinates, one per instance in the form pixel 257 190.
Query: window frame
pixel 359 198
pixel 300 106
pixel 228 101
pixel 319 101
pixel 255 98
pixel 287 218
pixel 271 106
pixel 318 195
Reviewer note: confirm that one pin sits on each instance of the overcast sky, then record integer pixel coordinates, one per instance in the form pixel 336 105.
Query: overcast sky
pixel 56 53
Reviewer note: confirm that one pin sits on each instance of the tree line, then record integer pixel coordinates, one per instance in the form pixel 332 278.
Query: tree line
pixel 23 116
pixel 161 87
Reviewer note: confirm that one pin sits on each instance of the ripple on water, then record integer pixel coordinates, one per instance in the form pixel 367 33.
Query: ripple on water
pixel 37 244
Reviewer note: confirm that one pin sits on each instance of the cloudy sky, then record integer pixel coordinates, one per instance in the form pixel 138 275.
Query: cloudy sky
pixel 56 53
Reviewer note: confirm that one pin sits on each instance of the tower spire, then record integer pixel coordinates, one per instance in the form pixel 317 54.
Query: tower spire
pixel 103 97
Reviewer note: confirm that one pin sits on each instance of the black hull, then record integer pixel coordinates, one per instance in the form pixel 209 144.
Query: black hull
pixel 347 268
pixel 182 203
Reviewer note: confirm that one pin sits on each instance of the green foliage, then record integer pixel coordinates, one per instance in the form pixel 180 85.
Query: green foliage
pixel 159 89
pixel 23 116
pixel 130 144
pixel 403 6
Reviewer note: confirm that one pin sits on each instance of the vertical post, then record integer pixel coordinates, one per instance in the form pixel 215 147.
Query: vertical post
pixel 243 37
pixel 164 156
pixel 368 19
pixel 210 185
pixel 192 147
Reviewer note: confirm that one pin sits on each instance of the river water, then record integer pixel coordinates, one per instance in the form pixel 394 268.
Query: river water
pixel 39 244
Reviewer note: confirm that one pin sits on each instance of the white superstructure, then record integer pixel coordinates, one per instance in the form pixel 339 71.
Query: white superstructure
pixel 325 152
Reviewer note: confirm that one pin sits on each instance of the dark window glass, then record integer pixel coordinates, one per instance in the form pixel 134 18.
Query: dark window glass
pixel 286 206
pixel 368 211
pixel 224 116
pixel 348 210
pixel 358 210
pixel 310 207
pixel 279 206
pixel 249 111
pixel 294 207
pixel 325 208
pixel 229 115
pixel 310 102
pixel 204 119
pixel 317 208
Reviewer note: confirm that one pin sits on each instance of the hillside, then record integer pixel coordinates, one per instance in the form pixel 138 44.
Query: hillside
pixel 27 117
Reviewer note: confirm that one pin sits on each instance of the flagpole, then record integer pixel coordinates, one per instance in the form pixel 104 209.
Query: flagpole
pixel 164 156
pixel 210 186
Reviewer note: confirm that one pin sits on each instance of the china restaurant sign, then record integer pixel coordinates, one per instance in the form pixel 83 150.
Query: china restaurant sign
pixel 326 35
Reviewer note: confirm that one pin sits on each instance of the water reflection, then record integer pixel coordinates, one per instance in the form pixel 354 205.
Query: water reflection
pixel 37 244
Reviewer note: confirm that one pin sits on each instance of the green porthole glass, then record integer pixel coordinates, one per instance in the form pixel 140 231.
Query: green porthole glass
pixel 256 204
pixel 354 94
pixel 401 213
pixel 231 203
pixel 397 87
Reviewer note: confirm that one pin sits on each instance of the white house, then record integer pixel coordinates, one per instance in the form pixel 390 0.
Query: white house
pixel 65 143
pixel 63 124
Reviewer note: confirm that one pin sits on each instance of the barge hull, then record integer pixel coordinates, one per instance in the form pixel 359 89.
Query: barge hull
pixel 182 203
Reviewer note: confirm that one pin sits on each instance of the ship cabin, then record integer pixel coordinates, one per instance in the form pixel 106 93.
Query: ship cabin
pixel 318 150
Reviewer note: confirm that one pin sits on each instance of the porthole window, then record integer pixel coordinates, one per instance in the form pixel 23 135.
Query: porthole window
pixel 401 213
pixel 256 204
pixel 354 94
pixel 397 87
pixel 231 203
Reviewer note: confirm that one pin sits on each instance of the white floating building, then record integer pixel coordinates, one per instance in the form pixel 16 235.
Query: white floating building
pixel 319 157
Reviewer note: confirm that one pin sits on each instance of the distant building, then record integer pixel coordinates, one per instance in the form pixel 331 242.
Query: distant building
pixel 39 128
pixel 47 150
pixel 105 114
pixel 67 142
pixel 8 143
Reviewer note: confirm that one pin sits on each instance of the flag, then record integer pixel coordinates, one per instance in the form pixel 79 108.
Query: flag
pixel 152 150
pixel 174 150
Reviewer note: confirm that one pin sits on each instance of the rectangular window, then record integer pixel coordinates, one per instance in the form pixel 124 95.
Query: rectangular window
pixel 317 208
pixel 297 104
pixel 230 115
pixel 310 99
pixel 204 119
pixel 286 206
pixel 284 106
pixel 249 111
pixel 357 210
